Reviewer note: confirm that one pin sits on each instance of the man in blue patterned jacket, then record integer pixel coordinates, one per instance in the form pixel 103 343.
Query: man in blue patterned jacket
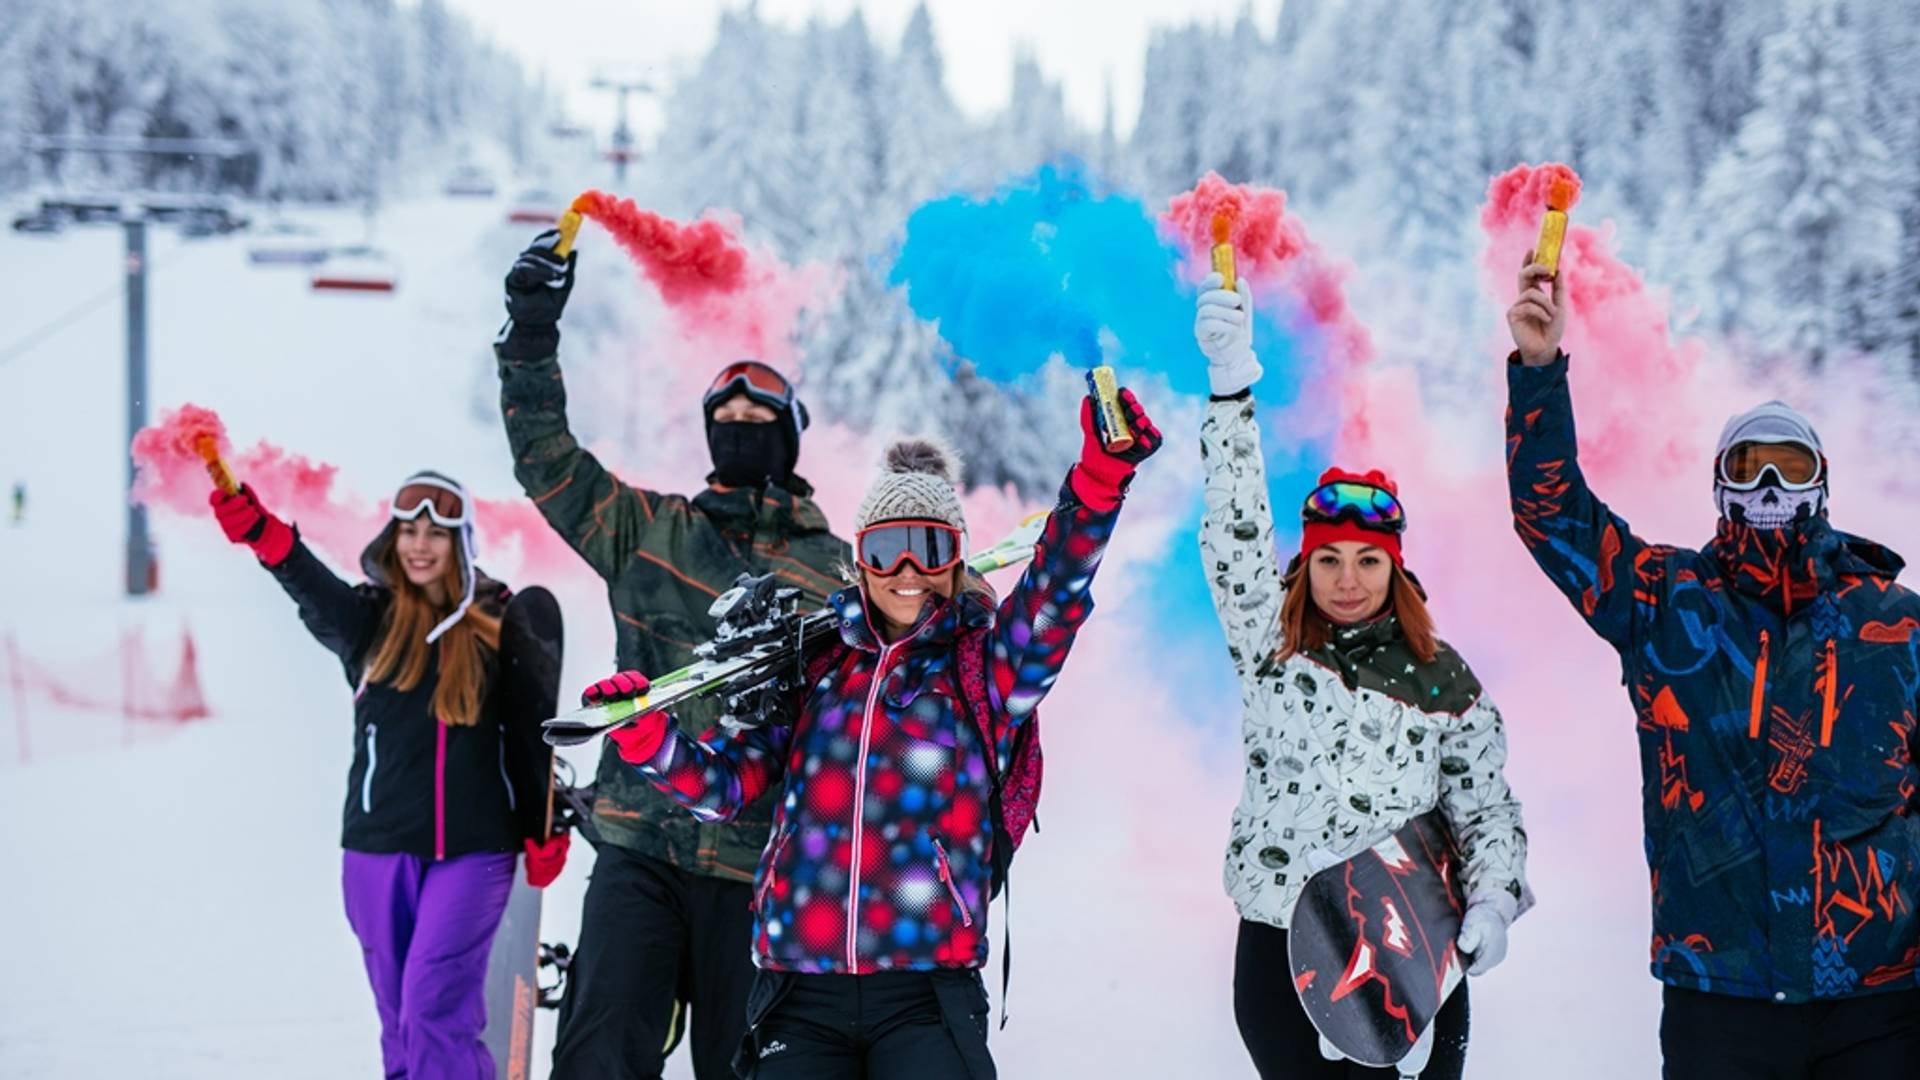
pixel 1775 675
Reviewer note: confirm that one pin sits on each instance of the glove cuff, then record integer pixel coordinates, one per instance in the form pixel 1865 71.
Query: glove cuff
pixel 527 341
pixel 1235 374
pixel 1100 483
pixel 640 741
pixel 275 543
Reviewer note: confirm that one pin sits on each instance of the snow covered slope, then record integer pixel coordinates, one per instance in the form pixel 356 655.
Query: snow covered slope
pixel 183 884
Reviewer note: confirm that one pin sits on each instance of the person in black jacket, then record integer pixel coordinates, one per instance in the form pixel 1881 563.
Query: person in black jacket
pixel 443 790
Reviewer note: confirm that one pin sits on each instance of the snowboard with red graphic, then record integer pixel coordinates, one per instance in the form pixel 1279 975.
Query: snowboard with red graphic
pixel 1371 943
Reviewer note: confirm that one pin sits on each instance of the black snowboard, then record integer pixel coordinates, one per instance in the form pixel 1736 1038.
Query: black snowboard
pixel 1371 943
pixel 530 650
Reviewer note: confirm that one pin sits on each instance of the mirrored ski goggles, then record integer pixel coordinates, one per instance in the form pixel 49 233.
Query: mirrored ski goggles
pixel 754 379
pixel 1795 466
pixel 441 502
pixel 931 546
pixel 1346 500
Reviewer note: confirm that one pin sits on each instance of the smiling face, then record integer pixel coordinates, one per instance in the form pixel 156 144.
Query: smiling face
pixel 1349 580
pixel 900 598
pixel 426 555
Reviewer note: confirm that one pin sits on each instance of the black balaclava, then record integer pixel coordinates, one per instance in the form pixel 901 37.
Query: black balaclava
pixel 748 454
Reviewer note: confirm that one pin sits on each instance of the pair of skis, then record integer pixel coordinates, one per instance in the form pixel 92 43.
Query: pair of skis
pixel 758 650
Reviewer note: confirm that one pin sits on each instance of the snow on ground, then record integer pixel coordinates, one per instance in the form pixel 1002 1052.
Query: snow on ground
pixel 175 903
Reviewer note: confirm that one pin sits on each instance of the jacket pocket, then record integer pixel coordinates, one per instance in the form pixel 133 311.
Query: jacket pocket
pixel 946 878
pixel 373 762
pixel 772 868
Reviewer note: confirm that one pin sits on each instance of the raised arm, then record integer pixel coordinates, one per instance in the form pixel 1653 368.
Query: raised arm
pixel 340 616
pixel 1236 531
pixel 600 516
pixel 1587 551
pixel 1037 621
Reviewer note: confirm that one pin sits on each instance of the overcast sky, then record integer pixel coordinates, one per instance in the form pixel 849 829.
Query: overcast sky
pixel 1084 44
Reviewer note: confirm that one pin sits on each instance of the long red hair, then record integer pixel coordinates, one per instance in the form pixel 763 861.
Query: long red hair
pixel 1305 629
pixel 400 659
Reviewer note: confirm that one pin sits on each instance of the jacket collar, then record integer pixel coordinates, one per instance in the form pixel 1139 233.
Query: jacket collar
pixel 1786 568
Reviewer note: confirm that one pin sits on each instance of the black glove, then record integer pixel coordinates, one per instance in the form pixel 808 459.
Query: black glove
pixel 539 283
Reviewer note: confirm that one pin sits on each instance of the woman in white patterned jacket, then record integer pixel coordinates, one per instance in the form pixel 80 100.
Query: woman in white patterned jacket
pixel 1357 718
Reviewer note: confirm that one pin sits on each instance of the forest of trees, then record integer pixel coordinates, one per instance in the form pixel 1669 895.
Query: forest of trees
pixel 1760 157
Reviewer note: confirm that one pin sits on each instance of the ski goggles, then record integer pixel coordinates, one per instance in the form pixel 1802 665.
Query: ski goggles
pixel 931 546
pixel 1346 500
pixel 444 503
pixel 1795 466
pixel 756 380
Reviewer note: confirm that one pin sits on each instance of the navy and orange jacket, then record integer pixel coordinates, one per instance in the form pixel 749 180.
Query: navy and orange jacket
pixel 1775 678
pixel 881 853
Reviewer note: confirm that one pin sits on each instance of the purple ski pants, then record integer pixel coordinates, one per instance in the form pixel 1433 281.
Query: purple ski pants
pixel 425 929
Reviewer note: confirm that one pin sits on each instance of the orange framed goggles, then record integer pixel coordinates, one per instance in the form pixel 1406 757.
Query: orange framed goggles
pixel 932 547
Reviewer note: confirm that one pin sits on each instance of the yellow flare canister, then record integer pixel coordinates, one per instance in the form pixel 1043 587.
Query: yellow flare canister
pixel 1112 420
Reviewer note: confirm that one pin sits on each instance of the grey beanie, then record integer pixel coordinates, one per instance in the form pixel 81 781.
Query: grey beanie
pixel 1773 422
pixel 917 481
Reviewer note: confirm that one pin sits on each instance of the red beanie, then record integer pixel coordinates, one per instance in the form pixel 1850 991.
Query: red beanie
pixel 1317 534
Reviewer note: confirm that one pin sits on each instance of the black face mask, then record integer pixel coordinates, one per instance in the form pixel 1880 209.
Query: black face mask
pixel 746 454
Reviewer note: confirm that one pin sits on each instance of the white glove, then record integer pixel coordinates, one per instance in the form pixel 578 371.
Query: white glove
pixel 1223 324
pixel 1330 1051
pixel 1483 935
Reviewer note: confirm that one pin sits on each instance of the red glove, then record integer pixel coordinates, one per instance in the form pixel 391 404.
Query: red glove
pixel 640 740
pixel 245 521
pixel 1102 476
pixel 545 861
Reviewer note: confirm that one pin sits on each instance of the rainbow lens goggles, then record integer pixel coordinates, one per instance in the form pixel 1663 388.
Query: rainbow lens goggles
pixel 1347 500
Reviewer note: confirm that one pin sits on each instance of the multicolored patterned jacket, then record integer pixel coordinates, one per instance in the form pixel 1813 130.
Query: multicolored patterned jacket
pixel 1346 743
pixel 664 559
pixel 1775 677
pixel 882 848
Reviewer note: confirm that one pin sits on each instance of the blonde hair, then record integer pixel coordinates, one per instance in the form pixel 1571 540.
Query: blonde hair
pixel 400 658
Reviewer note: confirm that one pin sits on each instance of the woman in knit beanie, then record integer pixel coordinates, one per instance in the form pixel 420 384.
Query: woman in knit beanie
pixel 1356 719
pixel 896 828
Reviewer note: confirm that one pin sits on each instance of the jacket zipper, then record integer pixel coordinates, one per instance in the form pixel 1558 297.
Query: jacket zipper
pixel 439 789
pixel 1826 700
pixel 506 781
pixel 946 876
pixel 859 809
pixel 1759 707
pixel 373 761
pixel 766 885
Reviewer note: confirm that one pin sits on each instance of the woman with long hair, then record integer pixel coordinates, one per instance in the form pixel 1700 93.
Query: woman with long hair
pixel 891 836
pixel 445 788
pixel 1356 717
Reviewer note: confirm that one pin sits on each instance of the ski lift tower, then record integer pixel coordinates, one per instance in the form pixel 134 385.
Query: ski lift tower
pixel 622 151
pixel 133 213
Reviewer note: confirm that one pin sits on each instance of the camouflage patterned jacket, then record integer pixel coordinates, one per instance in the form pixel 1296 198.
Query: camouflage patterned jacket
pixel 664 559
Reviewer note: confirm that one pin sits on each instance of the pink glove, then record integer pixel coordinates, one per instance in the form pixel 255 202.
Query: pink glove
pixel 545 861
pixel 245 521
pixel 1101 477
pixel 640 740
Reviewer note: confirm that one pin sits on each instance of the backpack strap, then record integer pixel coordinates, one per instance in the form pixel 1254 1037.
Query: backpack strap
pixel 974 690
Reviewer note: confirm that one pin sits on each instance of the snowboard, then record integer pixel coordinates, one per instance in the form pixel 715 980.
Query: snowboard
pixel 756 652
pixel 529 670
pixel 1371 943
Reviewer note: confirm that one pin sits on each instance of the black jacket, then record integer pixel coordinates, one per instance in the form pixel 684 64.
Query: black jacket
pixel 418 786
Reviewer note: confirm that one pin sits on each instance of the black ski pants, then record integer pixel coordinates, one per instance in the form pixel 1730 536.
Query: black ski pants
pixel 1718 1037
pixel 1283 1042
pixel 893 1025
pixel 653 936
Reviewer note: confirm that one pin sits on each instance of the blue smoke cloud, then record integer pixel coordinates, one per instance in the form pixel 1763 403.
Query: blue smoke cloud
pixel 1055 262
